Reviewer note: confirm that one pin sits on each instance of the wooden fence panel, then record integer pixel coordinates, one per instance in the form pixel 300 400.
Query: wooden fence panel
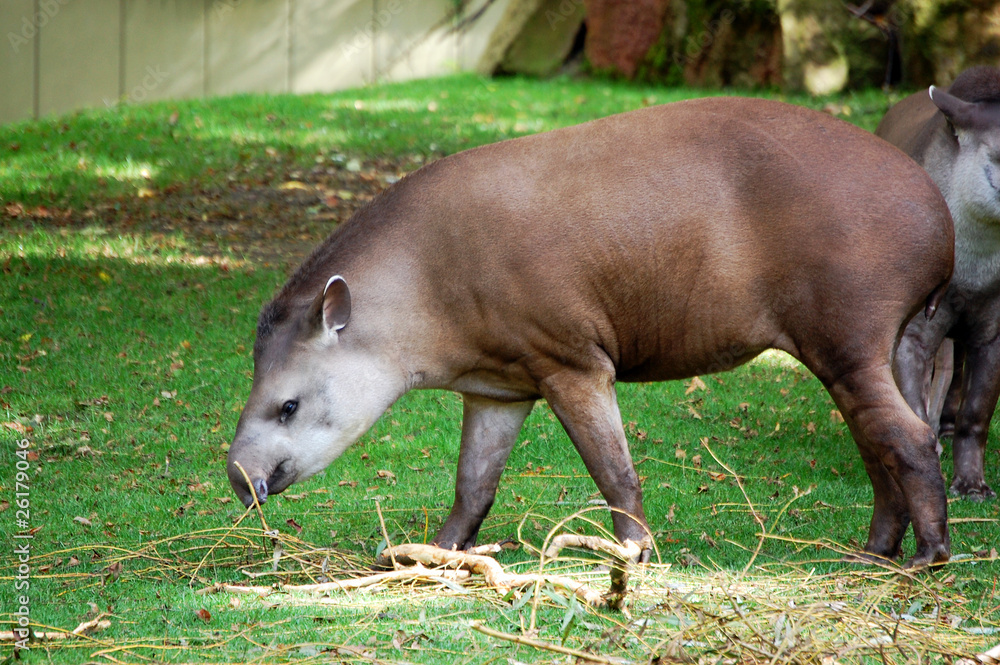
pixel 17 59
pixel 79 55
pixel 164 50
pixel 62 55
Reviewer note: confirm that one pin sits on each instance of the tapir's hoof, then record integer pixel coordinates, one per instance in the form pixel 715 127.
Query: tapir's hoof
pixel 976 491
pixel 934 557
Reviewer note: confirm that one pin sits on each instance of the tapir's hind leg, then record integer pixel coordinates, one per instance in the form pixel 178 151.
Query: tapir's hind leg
pixel 489 431
pixel 587 407
pixel 898 449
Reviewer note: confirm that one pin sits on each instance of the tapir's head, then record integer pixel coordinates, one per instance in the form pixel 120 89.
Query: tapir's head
pixel 972 108
pixel 316 389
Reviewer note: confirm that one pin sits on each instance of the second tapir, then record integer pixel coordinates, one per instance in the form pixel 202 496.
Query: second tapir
pixel 955 134
pixel 653 245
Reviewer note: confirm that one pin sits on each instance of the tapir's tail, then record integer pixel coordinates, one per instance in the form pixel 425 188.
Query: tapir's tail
pixel 934 299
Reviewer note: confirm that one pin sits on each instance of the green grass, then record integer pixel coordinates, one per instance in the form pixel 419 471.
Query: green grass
pixel 125 359
pixel 111 154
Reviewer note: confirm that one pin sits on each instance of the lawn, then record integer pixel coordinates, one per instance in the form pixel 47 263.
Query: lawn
pixel 137 246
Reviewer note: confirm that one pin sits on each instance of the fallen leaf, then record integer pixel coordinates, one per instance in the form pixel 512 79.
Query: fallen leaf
pixel 4 505
pixel 694 413
pixel 295 525
pixel 386 475
pixel 114 571
pixel 680 454
pixel 717 477
pixel 82 520
pixel 696 384
pixel 836 416
pixel 696 461
pixel 204 615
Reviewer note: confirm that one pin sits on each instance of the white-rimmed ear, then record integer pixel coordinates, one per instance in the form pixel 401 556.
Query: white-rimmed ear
pixel 960 113
pixel 336 304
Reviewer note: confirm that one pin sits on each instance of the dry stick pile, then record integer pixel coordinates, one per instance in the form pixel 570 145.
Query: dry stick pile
pixel 676 613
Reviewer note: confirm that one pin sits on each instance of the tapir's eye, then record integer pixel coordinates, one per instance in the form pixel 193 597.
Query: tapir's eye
pixel 287 410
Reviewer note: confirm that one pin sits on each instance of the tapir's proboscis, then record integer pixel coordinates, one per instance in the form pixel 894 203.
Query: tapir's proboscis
pixel 654 245
pixel 955 134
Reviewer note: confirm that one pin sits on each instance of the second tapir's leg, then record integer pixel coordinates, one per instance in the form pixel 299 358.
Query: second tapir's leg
pixel 953 399
pixel 489 431
pixel 914 358
pixel 899 453
pixel 941 382
pixel 980 392
pixel 587 407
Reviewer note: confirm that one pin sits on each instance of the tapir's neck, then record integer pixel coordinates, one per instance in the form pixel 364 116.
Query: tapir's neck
pixel 977 249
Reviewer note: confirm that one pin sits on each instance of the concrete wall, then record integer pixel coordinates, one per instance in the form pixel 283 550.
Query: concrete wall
pixel 60 55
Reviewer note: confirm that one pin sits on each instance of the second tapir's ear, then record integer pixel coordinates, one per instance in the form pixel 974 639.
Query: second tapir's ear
pixel 960 113
pixel 336 308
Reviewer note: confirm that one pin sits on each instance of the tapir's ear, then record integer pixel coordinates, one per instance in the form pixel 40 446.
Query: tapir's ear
pixel 336 309
pixel 960 113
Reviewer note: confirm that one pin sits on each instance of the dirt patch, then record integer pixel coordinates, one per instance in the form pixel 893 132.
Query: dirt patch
pixel 266 219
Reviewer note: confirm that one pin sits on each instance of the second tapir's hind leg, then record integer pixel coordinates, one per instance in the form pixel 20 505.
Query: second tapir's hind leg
pixel 898 450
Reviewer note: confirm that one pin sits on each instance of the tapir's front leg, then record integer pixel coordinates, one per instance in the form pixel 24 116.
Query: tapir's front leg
pixel 587 407
pixel 980 392
pixel 489 430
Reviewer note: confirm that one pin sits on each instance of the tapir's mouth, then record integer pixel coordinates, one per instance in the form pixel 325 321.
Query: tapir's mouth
pixel 279 480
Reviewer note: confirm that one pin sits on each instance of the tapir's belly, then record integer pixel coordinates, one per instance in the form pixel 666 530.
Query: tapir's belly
pixel 664 342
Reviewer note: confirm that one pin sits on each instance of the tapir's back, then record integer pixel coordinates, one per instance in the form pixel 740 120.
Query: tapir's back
pixel 754 223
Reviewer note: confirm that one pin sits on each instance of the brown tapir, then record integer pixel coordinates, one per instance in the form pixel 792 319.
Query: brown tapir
pixel 955 134
pixel 653 245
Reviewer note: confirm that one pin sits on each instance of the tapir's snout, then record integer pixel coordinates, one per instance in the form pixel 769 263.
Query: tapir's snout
pixel 266 479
